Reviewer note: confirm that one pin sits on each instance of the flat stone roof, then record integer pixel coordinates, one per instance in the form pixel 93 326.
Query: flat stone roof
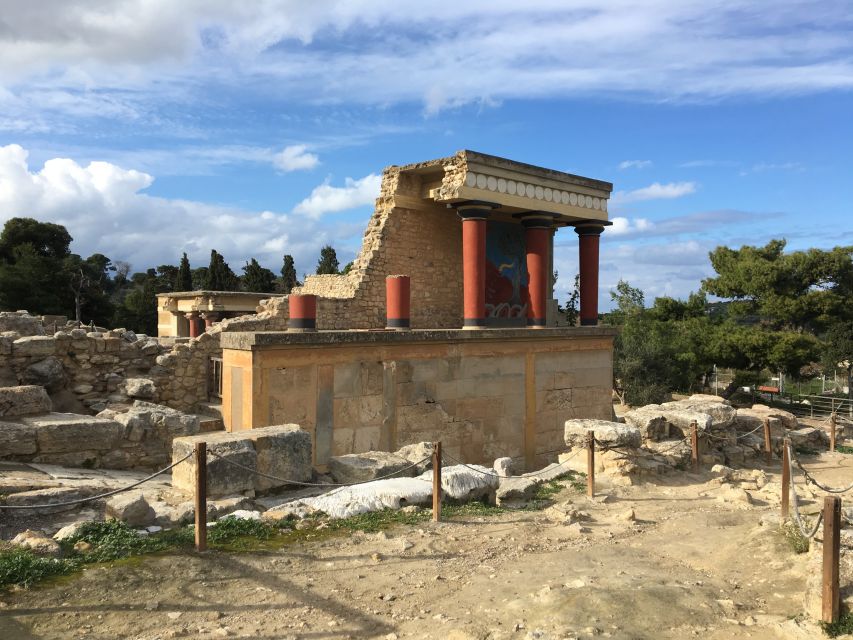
pixel 515 187
pixel 249 340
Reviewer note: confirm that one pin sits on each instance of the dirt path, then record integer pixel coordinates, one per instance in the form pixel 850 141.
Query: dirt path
pixel 689 565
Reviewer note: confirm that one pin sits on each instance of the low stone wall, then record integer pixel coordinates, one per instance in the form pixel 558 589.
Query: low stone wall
pixel 484 394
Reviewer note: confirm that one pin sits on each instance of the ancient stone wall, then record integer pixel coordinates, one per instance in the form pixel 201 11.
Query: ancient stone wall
pixel 484 399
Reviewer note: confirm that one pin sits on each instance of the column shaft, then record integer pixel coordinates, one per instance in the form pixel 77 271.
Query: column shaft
pixel 474 269
pixel 588 236
pixel 194 322
pixel 537 239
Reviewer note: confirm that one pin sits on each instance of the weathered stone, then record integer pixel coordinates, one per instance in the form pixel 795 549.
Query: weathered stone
pixel 809 438
pixel 131 508
pixel 21 323
pixel 503 467
pixel 651 422
pixel 67 433
pixel 753 418
pixel 706 397
pixel 283 451
pixel 48 496
pixel 16 439
pixel 520 489
pixel 48 373
pixel 420 453
pixel 361 467
pixel 37 542
pixel 69 530
pixel 142 388
pixel 23 400
pixel 33 346
pixel 613 434
pixel 678 419
pixel 467 482
pixel 722 414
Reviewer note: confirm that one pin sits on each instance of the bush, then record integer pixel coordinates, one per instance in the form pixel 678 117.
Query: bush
pixel 24 568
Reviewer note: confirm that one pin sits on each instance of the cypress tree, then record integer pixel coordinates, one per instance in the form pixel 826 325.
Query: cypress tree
pixel 288 275
pixel 185 275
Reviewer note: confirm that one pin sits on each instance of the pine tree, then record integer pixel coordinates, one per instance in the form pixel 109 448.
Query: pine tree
pixel 328 263
pixel 257 279
pixel 219 274
pixel 288 275
pixel 185 276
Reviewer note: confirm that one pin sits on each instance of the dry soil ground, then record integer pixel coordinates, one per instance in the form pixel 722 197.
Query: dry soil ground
pixel 691 565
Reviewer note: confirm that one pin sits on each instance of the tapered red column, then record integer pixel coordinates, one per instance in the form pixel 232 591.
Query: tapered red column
pixel 474 265
pixel 588 236
pixel 537 238
pixel 195 324
pixel 398 302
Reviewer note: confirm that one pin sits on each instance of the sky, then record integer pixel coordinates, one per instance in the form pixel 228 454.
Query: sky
pixel 150 128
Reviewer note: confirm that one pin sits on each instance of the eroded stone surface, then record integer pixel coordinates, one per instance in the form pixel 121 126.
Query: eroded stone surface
pixel 613 434
pixel 361 467
pixel 23 400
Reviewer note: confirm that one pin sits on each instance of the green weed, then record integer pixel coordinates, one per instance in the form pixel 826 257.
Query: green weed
pixel 840 628
pixel 24 568
pixel 796 540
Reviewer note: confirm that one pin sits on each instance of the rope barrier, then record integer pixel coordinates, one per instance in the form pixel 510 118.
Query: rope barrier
pixel 797 517
pixel 627 454
pixel 70 503
pixel 812 480
pixel 395 474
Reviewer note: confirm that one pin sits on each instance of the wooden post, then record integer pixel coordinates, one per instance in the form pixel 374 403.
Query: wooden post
pixel 831 547
pixel 201 496
pixel 590 464
pixel 768 447
pixel 786 477
pixel 436 481
pixel 694 446
pixel 832 420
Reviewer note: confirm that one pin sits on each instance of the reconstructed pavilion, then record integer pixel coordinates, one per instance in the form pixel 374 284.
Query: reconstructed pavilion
pixel 485 368
pixel 189 313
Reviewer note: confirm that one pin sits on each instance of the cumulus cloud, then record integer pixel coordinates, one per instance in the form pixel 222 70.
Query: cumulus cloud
pixel 295 158
pixel 106 210
pixel 328 199
pixel 655 191
pixel 622 226
pixel 634 164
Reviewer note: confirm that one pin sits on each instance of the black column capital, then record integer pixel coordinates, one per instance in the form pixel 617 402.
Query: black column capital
pixel 590 228
pixel 474 209
pixel 536 219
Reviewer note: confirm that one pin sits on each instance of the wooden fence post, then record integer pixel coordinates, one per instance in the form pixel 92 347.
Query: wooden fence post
pixel 694 445
pixel 201 496
pixel 831 547
pixel 590 463
pixel 786 476
pixel 436 481
pixel 768 447
pixel 832 425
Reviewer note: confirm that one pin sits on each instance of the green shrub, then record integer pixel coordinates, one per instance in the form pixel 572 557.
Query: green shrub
pixel 23 568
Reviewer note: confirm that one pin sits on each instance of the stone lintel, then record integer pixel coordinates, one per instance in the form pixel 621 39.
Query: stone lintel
pixel 249 340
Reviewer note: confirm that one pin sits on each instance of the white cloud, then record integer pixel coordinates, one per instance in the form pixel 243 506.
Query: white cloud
pixel 622 226
pixel 124 57
pixel 328 199
pixel 635 164
pixel 295 158
pixel 655 191
pixel 762 167
pixel 105 208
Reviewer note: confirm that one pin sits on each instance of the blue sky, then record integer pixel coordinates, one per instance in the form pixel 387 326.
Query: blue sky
pixel 150 128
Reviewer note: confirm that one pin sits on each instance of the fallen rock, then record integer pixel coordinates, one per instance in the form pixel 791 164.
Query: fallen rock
pixel 420 453
pixel 23 400
pixel 809 438
pixel 503 467
pixel 466 482
pixel 68 531
pixel 48 373
pixel 613 434
pixel 722 413
pixel 143 388
pixel 37 542
pixel 72 434
pixel 518 490
pixel 17 439
pixel 282 451
pixel 131 508
pixel 362 467
pixel 21 323
pixel 651 422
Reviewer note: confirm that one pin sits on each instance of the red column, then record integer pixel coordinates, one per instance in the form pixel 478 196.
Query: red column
pixel 302 312
pixel 474 265
pixel 194 321
pixel 538 242
pixel 588 234
pixel 210 317
pixel 398 302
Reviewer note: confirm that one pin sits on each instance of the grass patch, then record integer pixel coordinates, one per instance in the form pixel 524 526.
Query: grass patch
pixel 840 628
pixel 795 539
pixel 840 448
pixel 806 451
pixel 23 568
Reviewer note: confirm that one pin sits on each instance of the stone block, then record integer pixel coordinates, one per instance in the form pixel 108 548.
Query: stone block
pixel 24 400
pixel 132 508
pixel 362 467
pixel 67 433
pixel 34 346
pixel 16 439
pixel 48 373
pixel 283 451
pixel 607 433
pixel 722 413
pixel 142 388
